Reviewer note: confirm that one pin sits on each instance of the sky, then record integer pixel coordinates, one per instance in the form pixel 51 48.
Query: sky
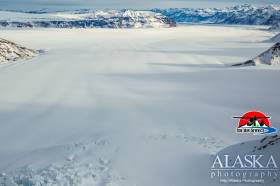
pixel 119 4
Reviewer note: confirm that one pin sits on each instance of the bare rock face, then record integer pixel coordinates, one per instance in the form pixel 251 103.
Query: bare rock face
pixel 10 51
pixel 269 57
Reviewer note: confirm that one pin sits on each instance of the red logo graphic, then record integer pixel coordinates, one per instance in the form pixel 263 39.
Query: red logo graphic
pixel 254 122
pixel 254 118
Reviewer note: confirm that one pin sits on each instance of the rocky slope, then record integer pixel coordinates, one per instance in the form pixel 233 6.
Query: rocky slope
pixel 10 51
pixel 269 57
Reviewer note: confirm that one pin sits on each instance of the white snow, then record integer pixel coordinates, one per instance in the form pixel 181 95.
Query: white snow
pixel 145 107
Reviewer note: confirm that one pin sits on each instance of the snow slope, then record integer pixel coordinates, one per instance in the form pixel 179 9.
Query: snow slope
pixel 269 57
pixel 10 51
pixel 267 146
pixel 145 107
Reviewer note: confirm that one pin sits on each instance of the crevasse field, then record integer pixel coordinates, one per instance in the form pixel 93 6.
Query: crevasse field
pixel 134 107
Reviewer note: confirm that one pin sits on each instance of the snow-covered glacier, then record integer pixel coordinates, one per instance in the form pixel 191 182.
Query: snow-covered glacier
pixel 127 107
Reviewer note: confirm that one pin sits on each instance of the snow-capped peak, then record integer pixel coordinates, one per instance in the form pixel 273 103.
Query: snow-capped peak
pixel 240 14
pixel 86 19
pixel 269 57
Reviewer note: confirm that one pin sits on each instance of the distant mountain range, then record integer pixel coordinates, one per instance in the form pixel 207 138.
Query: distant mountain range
pixel 85 19
pixel 241 14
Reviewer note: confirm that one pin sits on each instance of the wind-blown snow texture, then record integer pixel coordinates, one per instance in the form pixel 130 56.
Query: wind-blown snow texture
pixel 85 19
pixel 241 14
pixel 124 107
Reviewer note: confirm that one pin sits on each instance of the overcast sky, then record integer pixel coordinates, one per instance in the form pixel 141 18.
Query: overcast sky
pixel 139 4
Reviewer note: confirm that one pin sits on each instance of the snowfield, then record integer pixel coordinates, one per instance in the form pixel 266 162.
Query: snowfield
pixel 130 107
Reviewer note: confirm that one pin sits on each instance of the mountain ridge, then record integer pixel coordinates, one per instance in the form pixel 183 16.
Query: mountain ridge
pixel 86 19
pixel 240 14
pixel 269 57
pixel 10 51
